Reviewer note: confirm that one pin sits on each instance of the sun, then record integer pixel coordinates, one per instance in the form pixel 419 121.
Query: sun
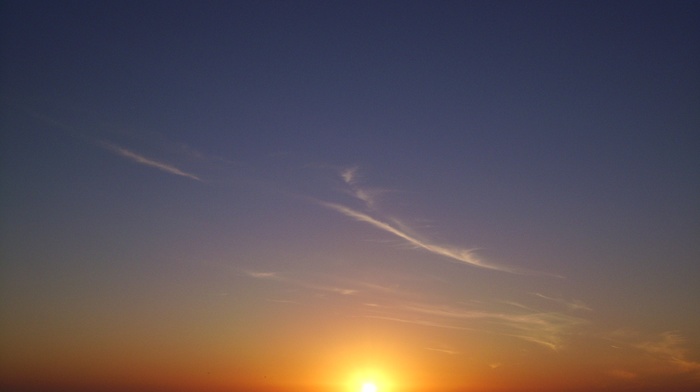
pixel 370 379
pixel 369 387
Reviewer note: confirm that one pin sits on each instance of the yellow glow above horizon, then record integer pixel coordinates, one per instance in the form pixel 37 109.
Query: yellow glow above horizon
pixel 370 381
pixel 369 387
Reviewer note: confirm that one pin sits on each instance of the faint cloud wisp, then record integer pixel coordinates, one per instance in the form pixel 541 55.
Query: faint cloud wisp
pixel 398 229
pixel 461 255
pixel 140 159
pixel 666 350
pixel 573 304
pixel 669 348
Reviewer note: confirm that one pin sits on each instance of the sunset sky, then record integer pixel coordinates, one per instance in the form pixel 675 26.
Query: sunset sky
pixel 287 196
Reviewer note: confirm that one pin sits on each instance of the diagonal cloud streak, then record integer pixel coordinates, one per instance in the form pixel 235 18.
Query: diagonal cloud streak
pixel 351 178
pixel 140 159
pixel 460 255
pixel 573 304
pixel 668 347
pixel 274 276
pixel 545 328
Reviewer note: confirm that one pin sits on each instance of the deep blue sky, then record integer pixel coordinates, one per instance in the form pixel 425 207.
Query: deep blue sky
pixel 557 138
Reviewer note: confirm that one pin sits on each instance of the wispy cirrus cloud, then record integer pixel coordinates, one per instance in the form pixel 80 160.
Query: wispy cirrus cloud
pixel 263 275
pixel 573 304
pixel 441 350
pixel 544 328
pixel 79 133
pixel 669 347
pixel 351 178
pixel 142 160
pixel 397 228
pixel 349 175
pixel 275 276
pixel 456 254
pixel 548 329
pixel 667 351
pixel 417 321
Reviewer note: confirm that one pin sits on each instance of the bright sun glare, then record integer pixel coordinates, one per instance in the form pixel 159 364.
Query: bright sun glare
pixel 369 387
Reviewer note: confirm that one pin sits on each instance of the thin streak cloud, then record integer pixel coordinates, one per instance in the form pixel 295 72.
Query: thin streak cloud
pixel 461 255
pixel 547 329
pixel 424 323
pixel 572 304
pixel 442 350
pixel 668 347
pixel 263 275
pixel 274 276
pixel 140 159
pixel 351 178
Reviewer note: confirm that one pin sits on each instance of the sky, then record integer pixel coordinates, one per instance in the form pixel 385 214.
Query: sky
pixel 285 196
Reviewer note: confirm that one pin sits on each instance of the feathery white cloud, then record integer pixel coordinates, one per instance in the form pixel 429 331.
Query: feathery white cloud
pixel 544 328
pixel 573 304
pixel 442 350
pixel 668 347
pixel 394 226
pixel 548 329
pixel 263 275
pixel 342 290
pixel 425 323
pixel 456 254
pixel 351 177
pixel 140 159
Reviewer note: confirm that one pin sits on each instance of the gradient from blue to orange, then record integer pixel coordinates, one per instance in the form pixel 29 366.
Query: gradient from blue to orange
pixel 287 196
